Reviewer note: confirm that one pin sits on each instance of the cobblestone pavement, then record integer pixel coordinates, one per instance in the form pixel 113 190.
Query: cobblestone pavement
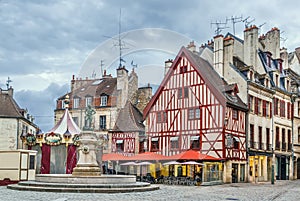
pixel 282 190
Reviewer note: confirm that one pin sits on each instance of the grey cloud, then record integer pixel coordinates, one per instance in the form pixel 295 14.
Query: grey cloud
pixel 41 104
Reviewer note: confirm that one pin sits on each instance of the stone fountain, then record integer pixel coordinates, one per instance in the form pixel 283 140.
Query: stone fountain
pixel 86 176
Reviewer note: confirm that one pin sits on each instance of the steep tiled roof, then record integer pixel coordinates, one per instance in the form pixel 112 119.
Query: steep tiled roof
pixel 8 107
pixel 211 77
pixel 129 119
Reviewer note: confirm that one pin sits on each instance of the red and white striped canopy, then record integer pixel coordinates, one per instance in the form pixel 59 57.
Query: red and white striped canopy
pixel 65 125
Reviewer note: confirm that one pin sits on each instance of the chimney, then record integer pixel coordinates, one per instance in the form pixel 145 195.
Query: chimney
pixel 219 54
pixel 168 65
pixel 191 46
pixel 122 86
pixel 10 91
pixel 251 45
pixel 284 56
pixel 228 50
pixel 72 83
pixel 272 42
pixel 297 52
pixel 132 84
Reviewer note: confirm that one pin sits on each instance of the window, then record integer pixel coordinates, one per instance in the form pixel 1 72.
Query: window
pixel 277 80
pixel 283 139
pixel 154 144
pixel 75 119
pixel 298 108
pixel 236 144
pixel 267 109
pixel 76 102
pixel 120 145
pixel 102 123
pixel 31 162
pixel 276 106
pixel 63 104
pixel 277 142
pixel 183 92
pixel 194 113
pixel 251 135
pixel 174 142
pixel 103 101
pixel 259 107
pixel 88 101
pixel 268 143
pixel 235 114
pixel 183 69
pixel 251 103
pixel 260 137
pixel 195 142
pixel 282 108
pixel 299 135
pixel 161 117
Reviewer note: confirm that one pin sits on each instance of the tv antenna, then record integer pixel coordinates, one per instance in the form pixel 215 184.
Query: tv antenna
pixel 282 38
pixel 101 66
pixel 234 20
pixel 133 64
pixel 7 82
pixel 247 22
pixel 220 26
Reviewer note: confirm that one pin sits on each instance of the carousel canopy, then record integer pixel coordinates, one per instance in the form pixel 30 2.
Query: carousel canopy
pixel 66 125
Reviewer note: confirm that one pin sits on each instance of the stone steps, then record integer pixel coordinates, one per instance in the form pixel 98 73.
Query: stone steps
pixel 82 188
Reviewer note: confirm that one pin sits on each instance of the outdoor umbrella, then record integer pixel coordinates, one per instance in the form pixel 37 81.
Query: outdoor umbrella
pixel 129 163
pixel 172 163
pixel 191 163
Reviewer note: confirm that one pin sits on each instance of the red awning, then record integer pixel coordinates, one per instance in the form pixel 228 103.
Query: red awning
pixel 148 156
pixel 114 157
pixel 193 155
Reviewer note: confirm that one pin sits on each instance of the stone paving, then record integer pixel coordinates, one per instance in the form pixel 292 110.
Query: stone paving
pixel 282 190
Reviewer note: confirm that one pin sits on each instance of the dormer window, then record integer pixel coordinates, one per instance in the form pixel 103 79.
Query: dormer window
pixel 267 82
pixel 251 75
pixel 103 100
pixel 277 80
pixel 88 101
pixel 287 85
pixel 269 59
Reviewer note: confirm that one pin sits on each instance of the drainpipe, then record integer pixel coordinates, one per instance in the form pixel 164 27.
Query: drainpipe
pixel 293 98
pixel 273 157
pixel 18 133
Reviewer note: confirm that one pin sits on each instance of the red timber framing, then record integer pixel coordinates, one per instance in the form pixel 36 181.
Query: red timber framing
pixel 123 143
pixel 191 99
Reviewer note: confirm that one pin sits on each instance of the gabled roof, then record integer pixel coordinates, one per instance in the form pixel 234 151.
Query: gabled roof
pixel 129 119
pixel 8 106
pixel 94 87
pixel 208 74
pixel 66 125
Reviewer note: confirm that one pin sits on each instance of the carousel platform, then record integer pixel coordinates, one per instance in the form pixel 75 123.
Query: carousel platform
pixel 84 184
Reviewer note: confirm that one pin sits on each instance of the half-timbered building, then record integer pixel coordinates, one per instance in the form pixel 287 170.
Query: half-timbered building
pixel 194 108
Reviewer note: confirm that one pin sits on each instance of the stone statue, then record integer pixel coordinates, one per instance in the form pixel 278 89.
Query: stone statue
pixel 89 112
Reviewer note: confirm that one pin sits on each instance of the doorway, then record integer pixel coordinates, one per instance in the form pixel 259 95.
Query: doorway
pixel 234 172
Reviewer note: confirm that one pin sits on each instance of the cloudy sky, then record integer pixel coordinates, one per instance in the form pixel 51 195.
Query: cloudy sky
pixel 44 43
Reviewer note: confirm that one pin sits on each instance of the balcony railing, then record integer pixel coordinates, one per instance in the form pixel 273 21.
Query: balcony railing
pixel 251 144
pixel 269 147
pixel 261 146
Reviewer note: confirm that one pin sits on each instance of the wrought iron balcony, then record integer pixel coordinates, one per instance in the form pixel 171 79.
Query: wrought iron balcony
pixel 269 147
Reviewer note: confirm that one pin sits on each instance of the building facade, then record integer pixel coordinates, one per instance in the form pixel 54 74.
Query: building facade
pixel 16 124
pixel 256 66
pixel 194 108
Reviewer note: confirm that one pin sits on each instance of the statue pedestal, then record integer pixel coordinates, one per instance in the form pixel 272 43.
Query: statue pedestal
pixel 87 164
